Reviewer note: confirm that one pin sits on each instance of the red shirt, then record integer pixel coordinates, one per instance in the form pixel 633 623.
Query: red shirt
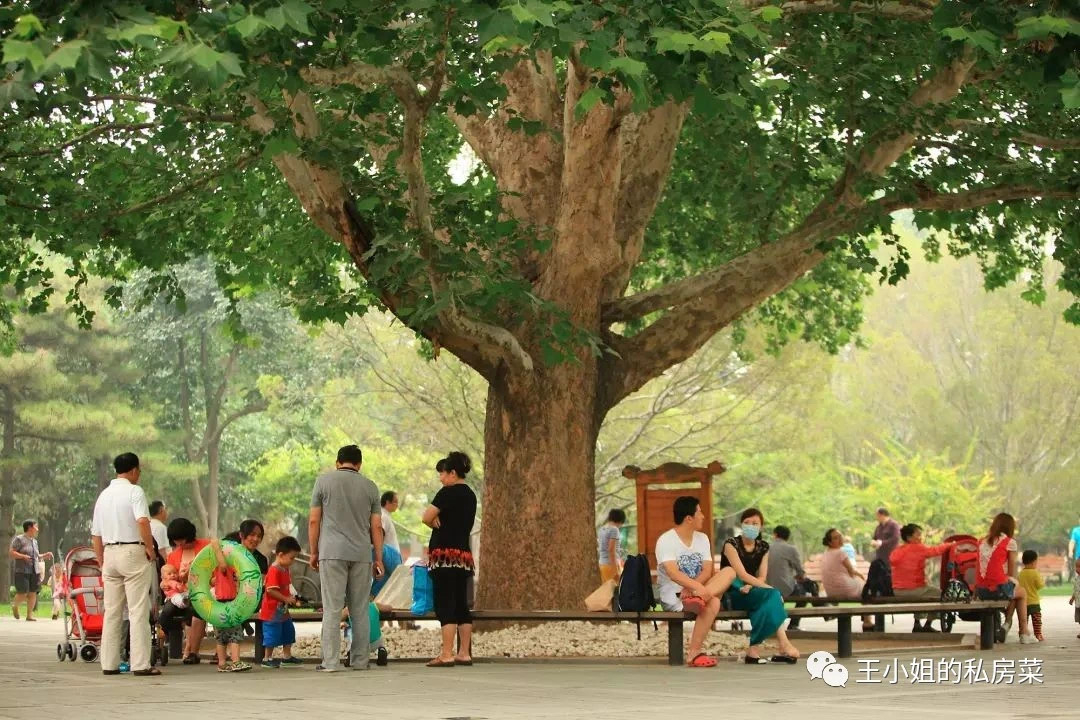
pixel 273 610
pixel 909 564
pixel 175 558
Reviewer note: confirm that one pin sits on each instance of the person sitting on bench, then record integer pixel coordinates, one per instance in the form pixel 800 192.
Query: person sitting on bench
pixel 685 576
pixel 909 571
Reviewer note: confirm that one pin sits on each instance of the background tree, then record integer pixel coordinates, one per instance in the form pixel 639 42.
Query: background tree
pixel 212 127
pixel 206 378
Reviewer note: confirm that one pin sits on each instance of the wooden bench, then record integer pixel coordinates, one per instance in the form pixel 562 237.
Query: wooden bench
pixel 988 611
pixel 1052 567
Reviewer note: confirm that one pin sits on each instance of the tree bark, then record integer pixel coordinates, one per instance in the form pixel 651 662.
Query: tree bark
pixel 538 538
pixel 7 491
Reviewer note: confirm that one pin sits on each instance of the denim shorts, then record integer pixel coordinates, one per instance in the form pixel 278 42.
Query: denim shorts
pixel 1004 591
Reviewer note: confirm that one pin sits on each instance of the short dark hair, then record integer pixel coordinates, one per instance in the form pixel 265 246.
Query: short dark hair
pixel 287 544
pixel 234 536
pixel 387 498
pixel 125 463
pixel 180 529
pixel 350 455
pixel 684 507
pixel 751 512
pixel 456 462
pixel 828 534
pixel 155 507
pixel 616 516
pixel 883 511
pixel 782 532
pixel 908 531
pixel 27 524
pixel 1029 557
pixel 249 526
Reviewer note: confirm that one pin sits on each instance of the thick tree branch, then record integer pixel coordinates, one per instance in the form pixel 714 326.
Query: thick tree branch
pixel 1022 137
pixel 251 408
pixel 972 199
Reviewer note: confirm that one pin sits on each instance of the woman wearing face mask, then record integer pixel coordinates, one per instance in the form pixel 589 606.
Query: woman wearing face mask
pixel 748 555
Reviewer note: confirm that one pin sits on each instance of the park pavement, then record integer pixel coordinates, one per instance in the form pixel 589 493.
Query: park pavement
pixel 34 684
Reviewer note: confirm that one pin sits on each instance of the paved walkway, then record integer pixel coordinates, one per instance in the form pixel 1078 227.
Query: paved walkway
pixel 30 677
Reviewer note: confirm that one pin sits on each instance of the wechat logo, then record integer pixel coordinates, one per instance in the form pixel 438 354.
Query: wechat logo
pixel 824 666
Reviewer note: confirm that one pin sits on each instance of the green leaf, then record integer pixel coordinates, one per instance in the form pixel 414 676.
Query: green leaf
pixel 20 50
pixel 66 56
pixel 955 33
pixel 1071 97
pixel 673 41
pixel 162 27
pixel 1036 27
pixel 588 99
pixel 770 13
pixel 523 14
pixel 715 41
pixel 296 14
pixel 27 26
pixel 231 63
pixel 628 66
pixel 275 17
pixel 250 26
pixel 542 11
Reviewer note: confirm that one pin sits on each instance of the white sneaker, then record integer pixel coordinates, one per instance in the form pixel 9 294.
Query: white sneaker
pixel 1008 624
pixel 1028 639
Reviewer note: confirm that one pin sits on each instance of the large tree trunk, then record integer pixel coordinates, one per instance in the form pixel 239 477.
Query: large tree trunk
pixel 7 492
pixel 213 461
pixel 537 535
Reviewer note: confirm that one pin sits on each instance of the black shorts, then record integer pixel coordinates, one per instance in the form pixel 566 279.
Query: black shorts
pixel 26 583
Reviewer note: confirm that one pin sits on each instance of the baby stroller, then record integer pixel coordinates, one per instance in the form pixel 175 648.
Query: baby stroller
pixel 84 612
pixel 84 606
pixel 958 576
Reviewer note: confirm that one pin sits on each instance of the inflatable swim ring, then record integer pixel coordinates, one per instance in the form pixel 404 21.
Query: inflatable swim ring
pixel 248 586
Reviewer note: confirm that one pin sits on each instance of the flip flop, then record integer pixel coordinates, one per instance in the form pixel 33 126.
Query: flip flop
pixel 466 663
pixel 693 604
pixel 149 672
pixel 701 660
pixel 439 663
pixel 755 660
pixel 785 659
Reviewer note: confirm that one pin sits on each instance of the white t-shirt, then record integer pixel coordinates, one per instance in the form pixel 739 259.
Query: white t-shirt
pixel 161 535
pixel 389 531
pixel 690 560
pixel 116 511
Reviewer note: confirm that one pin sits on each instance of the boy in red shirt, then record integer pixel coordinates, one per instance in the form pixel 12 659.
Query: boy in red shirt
pixel 277 627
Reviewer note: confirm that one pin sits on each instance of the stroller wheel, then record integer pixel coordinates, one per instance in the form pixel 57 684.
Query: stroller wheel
pixel 69 650
pixel 947 622
pixel 88 653
pixel 60 652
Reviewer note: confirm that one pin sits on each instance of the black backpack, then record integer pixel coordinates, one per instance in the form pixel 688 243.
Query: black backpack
pixel 878 581
pixel 635 592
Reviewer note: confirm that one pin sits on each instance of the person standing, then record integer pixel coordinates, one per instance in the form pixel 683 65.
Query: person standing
pixel 451 516
pixel 124 546
pixel 609 545
pixel 159 517
pixel 25 557
pixel 886 536
pixel 389 502
pixel 1074 549
pixel 345 523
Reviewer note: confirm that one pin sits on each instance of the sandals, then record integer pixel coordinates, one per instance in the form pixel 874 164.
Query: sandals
pixel 148 672
pixel 238 666
pixel 755 660
pixel 693 604
pixel 192 659
pixel 440 663
pixel 781 658
pixel 701 660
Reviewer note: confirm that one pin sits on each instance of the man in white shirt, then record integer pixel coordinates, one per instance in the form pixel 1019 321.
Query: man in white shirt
pixel 686 576
pixel 389 502
pixel 159 527
pixel 125 549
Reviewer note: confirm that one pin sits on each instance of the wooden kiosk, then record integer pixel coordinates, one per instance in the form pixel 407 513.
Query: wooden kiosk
pixel 656 495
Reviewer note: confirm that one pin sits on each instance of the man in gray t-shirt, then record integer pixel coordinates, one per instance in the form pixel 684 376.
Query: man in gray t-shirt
pixel 344 528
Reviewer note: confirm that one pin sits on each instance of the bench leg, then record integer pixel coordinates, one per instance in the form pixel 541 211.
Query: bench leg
pixel 675 642
pixel 259 651
pixel 879 622
pixel 843 636
pixel 987 621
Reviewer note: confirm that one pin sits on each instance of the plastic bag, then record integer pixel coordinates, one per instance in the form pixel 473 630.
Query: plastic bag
pixel 423 592
pixel 599 600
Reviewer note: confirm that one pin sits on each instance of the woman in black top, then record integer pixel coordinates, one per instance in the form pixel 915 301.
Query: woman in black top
pixel 749 556
pixel 450 560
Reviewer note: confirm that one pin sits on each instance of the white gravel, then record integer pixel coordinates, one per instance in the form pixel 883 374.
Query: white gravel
pixel 563 639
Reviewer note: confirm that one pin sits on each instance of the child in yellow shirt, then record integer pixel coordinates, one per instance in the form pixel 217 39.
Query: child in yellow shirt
pixel 1032 581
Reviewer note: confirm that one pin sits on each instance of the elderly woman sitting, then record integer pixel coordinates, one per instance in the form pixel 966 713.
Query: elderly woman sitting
pixel 909 570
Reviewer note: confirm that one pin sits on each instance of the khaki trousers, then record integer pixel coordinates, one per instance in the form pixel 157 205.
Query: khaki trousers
pixel 922 593
pixel 128 577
